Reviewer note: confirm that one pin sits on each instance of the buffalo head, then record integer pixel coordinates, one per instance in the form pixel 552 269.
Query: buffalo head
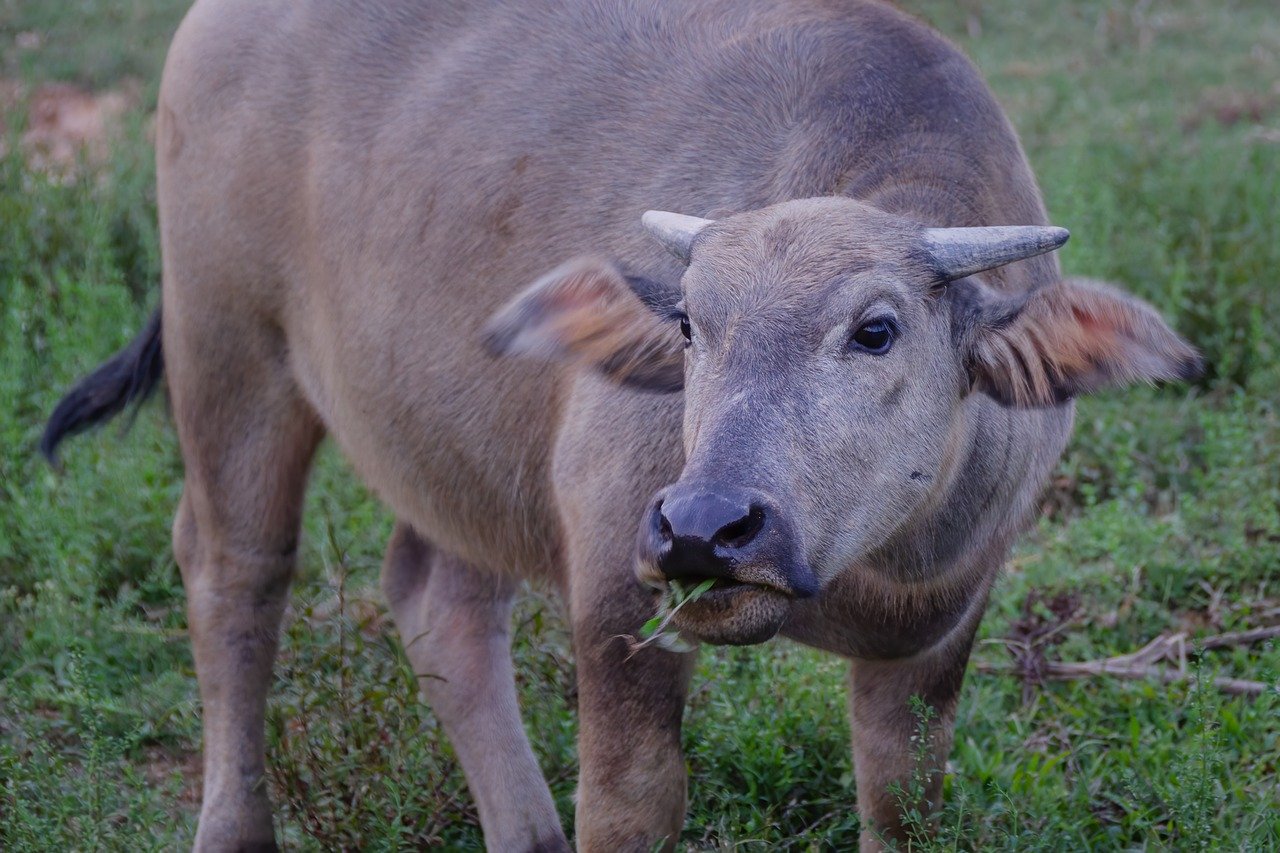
pixel 826 350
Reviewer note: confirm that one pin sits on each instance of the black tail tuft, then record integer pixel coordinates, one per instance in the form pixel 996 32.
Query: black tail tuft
pixel 127 377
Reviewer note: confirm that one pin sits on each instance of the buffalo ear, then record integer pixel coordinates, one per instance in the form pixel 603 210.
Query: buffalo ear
pixel 586 312
pixel 1069 338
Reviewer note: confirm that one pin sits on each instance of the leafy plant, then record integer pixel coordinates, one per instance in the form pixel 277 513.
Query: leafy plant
pixel 657 631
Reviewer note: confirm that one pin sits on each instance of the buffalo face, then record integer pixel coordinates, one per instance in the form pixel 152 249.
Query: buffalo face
pixel 825 350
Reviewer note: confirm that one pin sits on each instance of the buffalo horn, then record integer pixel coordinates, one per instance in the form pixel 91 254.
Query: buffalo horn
pixel 673 230
pixel 958 252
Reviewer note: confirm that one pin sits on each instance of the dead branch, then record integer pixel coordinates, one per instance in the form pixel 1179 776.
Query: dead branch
pixel 1147 662
pixel 1241 638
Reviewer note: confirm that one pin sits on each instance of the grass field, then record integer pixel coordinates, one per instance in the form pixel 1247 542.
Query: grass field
pixel 1155 130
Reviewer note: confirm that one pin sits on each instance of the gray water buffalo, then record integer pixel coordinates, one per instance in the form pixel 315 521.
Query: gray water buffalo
pixel 833 384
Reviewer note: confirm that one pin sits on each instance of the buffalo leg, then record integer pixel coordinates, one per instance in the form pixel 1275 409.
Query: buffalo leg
pixel 247 440
pixel 632 778
pixel 455 623
pixel 895 773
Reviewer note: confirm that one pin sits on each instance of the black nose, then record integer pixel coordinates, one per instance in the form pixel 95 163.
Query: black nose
pixel 708 518
pixel 705 532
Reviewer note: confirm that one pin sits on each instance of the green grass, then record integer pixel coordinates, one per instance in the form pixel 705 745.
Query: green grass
pixel 1164 514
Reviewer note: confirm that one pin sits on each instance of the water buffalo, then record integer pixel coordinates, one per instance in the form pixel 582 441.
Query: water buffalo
pixel 834 383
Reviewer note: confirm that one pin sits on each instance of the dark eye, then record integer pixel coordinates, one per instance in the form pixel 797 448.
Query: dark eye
pixel 686 330
pixel 875 336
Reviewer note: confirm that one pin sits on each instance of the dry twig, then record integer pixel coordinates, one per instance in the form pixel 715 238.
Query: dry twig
pixel 1147 662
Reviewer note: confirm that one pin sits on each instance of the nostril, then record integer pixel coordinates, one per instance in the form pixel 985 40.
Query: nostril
pixel 738 534
pixel 664 526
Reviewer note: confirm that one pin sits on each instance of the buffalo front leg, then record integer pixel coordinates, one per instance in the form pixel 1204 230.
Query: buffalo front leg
pixel 455 622
pixel 632 778
pixel 903 719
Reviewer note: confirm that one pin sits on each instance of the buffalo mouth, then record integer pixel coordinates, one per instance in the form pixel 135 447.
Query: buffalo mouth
pixel 730 611
pixel 734 613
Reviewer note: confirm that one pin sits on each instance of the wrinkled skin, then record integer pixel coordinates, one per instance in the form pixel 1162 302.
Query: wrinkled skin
pixel 349 195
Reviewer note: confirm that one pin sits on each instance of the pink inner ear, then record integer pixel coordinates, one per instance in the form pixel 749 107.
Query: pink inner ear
pixel 1084 318
pixel 559 311
pixel 585 311
pixel 577 292
pixel 1095 336
pixel 1104 328
pixel 1113 339
pixel 1076 337
pixel 1076 342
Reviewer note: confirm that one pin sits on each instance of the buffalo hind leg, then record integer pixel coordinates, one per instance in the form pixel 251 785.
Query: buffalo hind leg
pixel 632 778
pixel 247 440
pixel 890 764
pixel 455 623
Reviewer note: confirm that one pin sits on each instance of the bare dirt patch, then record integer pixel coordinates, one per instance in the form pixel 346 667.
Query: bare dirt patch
pixel 66 126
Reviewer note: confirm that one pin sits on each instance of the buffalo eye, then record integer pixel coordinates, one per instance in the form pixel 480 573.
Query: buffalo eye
pixel 874 336
pixel 686 330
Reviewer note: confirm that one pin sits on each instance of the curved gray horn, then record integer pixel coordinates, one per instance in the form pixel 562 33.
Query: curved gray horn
pixel 959 252
pixel 674 231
